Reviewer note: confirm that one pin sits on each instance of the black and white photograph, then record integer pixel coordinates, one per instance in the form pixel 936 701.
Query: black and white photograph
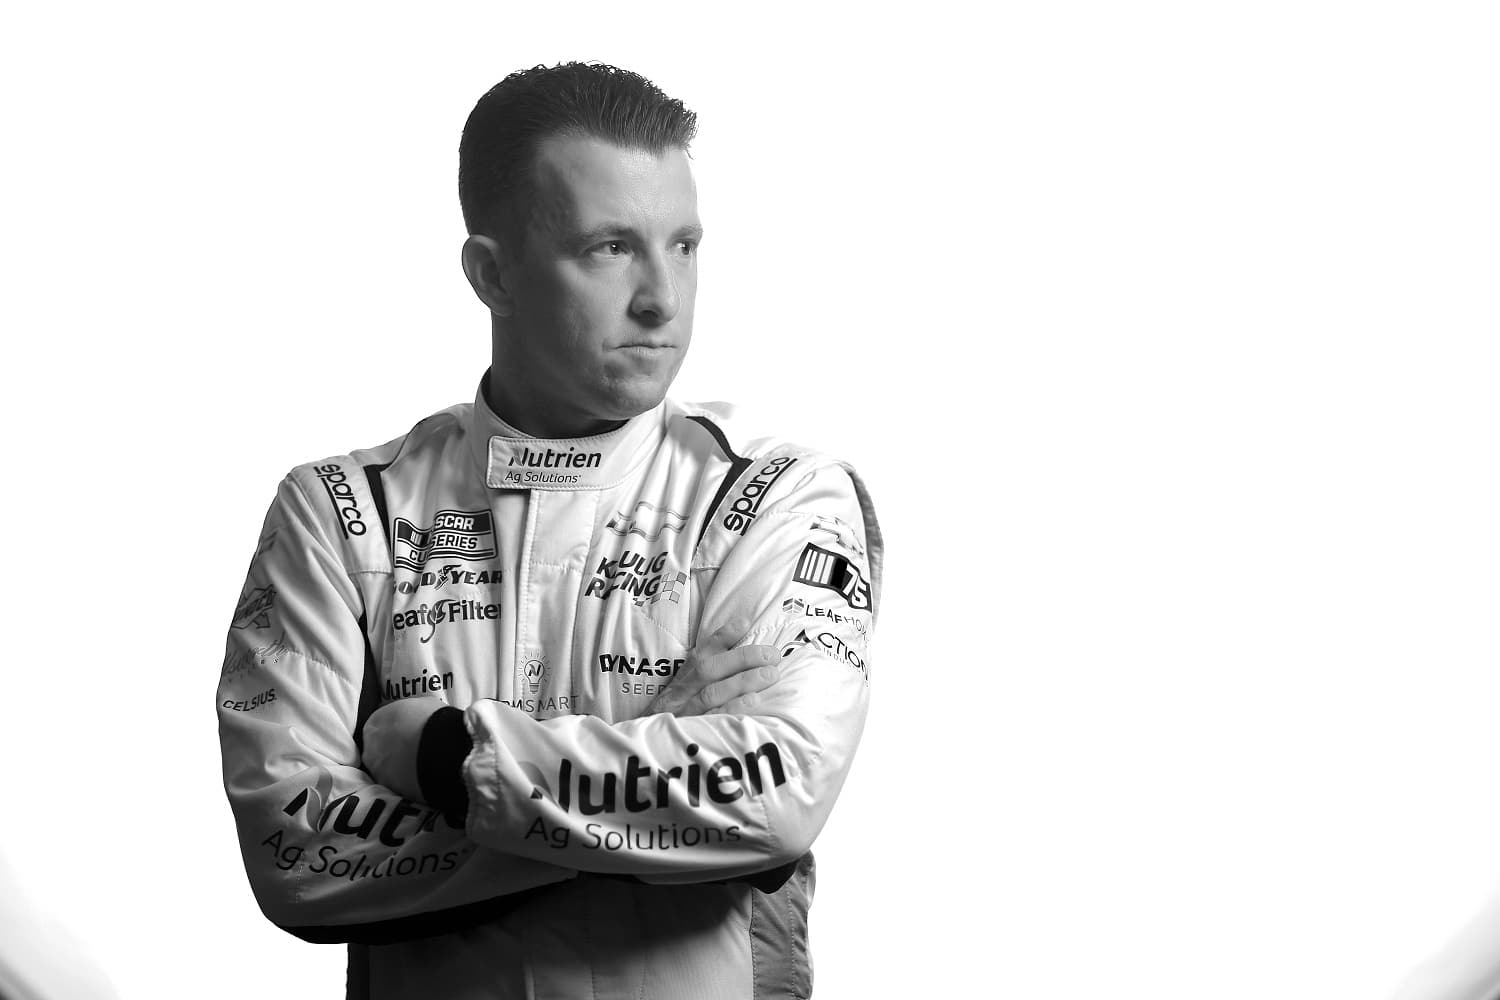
pixel 609 501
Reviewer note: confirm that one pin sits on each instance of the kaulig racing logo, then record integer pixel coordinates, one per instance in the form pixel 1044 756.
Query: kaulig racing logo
pixel 670 588
pixel 635 574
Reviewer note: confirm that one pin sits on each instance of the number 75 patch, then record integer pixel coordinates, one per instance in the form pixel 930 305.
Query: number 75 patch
pixel 818 567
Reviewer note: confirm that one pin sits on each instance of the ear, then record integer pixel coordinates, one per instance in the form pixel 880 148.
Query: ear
pixel 484 265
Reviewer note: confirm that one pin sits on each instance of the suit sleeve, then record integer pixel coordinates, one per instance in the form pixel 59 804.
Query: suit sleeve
pixel 330 854
pixel 692 799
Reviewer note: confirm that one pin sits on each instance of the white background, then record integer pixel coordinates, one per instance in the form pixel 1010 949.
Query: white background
pixel 1165 334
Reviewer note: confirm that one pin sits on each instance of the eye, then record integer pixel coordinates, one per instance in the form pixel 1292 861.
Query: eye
pixel 610 248
pixel 685 248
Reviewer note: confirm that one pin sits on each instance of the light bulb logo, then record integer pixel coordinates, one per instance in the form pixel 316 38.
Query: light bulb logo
pixel 535 672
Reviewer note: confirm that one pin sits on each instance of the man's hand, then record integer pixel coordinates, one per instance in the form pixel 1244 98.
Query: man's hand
pixel 719 679
pixel 393 734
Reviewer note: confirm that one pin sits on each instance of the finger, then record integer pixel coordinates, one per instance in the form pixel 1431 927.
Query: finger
pixel 675 695
pixel 684 696
pixel 722 640
pixel 724 665
pixel 714 696
pixel 666 700
pixel 745 704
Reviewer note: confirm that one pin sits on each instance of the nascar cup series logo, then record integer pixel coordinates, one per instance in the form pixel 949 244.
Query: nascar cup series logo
pixel 455 534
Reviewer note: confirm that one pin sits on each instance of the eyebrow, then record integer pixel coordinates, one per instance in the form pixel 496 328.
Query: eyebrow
pixel 605 231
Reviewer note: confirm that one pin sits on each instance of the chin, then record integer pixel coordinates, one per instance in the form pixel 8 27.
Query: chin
pixel 636 404
pixel 632 401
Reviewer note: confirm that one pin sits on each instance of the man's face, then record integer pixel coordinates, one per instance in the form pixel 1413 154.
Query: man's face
pixel 602 290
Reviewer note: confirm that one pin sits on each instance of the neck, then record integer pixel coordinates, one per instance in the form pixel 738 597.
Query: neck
pixel 528 419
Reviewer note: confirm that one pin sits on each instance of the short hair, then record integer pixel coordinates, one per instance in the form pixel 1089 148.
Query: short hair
pixel 500 139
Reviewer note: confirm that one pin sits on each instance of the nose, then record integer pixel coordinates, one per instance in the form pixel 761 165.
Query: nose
pixel 656 299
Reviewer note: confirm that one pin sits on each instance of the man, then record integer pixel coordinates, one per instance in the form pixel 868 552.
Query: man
pixel 550 696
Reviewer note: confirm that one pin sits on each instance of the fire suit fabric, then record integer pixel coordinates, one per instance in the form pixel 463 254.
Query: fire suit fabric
pixel 550 589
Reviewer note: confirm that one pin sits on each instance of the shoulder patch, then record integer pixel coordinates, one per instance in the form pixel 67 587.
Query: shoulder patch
pixel 341 484
pixel 349 501
pixel 751 489
pixel 745 485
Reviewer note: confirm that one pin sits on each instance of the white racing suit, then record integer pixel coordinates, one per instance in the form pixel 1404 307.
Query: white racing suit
pixel 550 589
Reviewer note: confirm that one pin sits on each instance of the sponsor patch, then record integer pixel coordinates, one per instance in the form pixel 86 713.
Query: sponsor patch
pixel 818 567
pixel 642 786
pixel 261 656
pixel 517 464
pixel 531 676
pixel 254 610
pixel 553 458
pixel 360 817
pixel 831 644
pixel 638 575
pixel 441 613
pixel 647 520
pixel 397 688
pixel 373 825
pixel 746 505
pixel 455 534
pixel 671 590
pixel 660 666
pixel 552 704
pixel 453 574
pixel 264 698
pixel 798 608
pixel 616 799
pixel 341 494
pixel 641 676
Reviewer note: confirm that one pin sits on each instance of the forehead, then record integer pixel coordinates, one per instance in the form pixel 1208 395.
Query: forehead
pixel 583 181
